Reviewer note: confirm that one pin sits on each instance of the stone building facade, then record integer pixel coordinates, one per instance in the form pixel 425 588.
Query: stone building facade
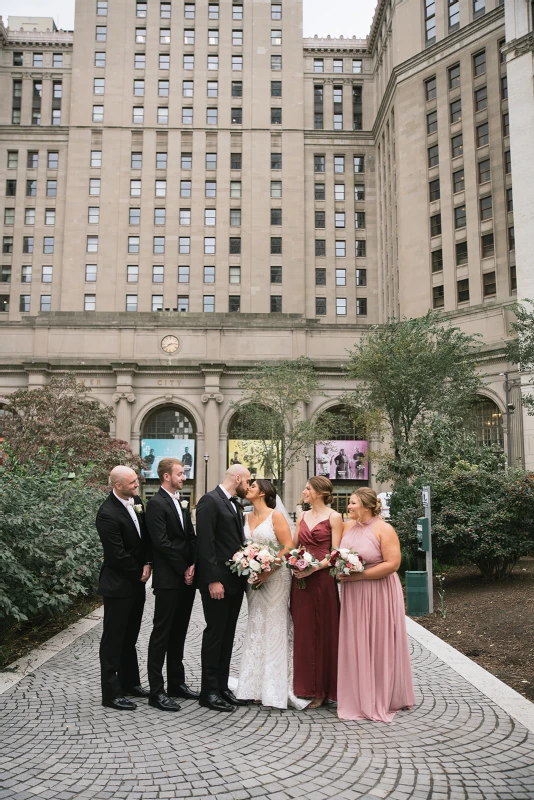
pixel 193 187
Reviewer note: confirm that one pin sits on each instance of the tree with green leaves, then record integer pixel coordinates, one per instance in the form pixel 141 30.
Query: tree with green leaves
pixel 410 370
pixel 61 421
pixel 270 413
pixel 521 349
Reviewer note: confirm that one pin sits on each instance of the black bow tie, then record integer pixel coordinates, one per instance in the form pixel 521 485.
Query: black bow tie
pixel 237 504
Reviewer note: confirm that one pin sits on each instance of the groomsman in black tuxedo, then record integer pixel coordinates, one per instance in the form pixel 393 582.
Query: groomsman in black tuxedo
pixel 219 536
pixel 126 569
pixel 174 555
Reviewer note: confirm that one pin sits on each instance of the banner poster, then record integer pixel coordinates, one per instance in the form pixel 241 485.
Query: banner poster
pixel 153 450
pixel 252 453
pixel 342 460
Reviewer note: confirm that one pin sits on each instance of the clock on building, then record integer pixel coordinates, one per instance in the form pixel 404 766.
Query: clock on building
pixel 170 344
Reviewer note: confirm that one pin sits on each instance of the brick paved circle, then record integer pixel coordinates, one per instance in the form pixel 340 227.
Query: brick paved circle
pixel 58 743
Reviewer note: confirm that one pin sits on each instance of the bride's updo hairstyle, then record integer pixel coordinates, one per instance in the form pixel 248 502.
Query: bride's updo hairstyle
pixel 369 500
pixel 268 490
pixel 323 487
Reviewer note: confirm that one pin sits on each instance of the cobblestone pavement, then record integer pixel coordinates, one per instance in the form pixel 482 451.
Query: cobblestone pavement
pixel 59 743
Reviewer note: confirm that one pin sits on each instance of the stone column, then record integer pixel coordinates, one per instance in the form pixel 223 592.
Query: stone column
pixel 124 397
pixel 212 399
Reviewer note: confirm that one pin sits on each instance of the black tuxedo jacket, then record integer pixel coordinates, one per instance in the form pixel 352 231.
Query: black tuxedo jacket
pixel 219 536
pixel 125 552
pixel 174 546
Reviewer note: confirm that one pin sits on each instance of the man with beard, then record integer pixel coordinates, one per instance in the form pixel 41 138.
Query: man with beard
pixel 219 536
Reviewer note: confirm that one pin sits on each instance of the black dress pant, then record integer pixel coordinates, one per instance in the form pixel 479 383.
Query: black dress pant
pixel 119 669
pixel 218 640
pixel 172 613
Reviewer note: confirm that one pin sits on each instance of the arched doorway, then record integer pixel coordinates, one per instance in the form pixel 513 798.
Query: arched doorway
pixel 168 431
pixel 486 422
pixel 343 457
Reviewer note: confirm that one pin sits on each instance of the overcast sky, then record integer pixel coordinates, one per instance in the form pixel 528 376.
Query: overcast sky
pixel 335 17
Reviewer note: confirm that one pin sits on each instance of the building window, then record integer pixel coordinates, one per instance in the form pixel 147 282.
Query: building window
pixel 139 61
pixel 481 98
pixel 236 116
pixel 18 59
pixel 157 273
pixel 24 303
pixel 319 191
pixel 339 191
pixel 482 132
pixel 276 303
pixel 237 63
pixel 486 207
pixel 437 260
pixel 438 297
pixel 320 248
pixel 29 216
pixel 210 189
pixel 90 273
pixel 359 219
pixel 210 217
pixel 89 302
pixel 133 244
pixel 161 160
pixel 479 63
pixel 213 63
pixel 189 11
pixel 164 35
pixel 12 159
pixel 484 173
pixel 357 66
pixel 506 124
pixel 9 216
pixel 165 61
pixel 132 272
pixel 53 160
pixel 339 164
pixel 489 284
pixel 31 188
pixel 234 275
pixel 182 304
pixel 504 88
pixel 488 246
pixel 460 219
pixel 276 161
pixel 209 245
pixel 165 10
pixel 186 160
pixel 212 88
pixel 318 64
pixel 94 215
pixel 184 245
pixel 430 21
pixel 209 304
pixel 276 11
pixel 320 277
pixel 160 215
pixel 432 122
pixel 359 192
pixel 430 88
pixel 341 248
pixel 513 278
pixel 511 238
pixel 479 7
pixel 237 88
pixel 509 200
pixel 187 116
pixel 433 190
pixel 507 162
pixel 135 188
pixel 337 65
pixel 435 225
pixel 276 63
pixel 276 216
pixel 276 115
pixel 320 306
pixel 138 115
pixel 163 115
pixel 213 37
pixel 140 8
pixel 131 302
pixel 189 36
pixel 276 274
pixel 341 277
pixel 461 253
pixel 135 216
pixel 462 290
pixel 276 88
pixel 433 156
pixel 101 36
pixel 361 277
pixel 320 217
pixel 48 243
pixel 361 307
pixel 51 188
pixel 456 111
pixel 454 73
pixel 99 85
pixel 7 245
pixel 235 245
pixel 183 274
pixel 276 245
pixel 276 37
pixel 189 62
pixel 237 38
pixel 163 88
pixel 318 163
pixel 454 14
pixel 276 189
pixel 46 302
pixel 341 306
pixel 457 145
pixel 235 217
pixel 237 11
pixel 158 245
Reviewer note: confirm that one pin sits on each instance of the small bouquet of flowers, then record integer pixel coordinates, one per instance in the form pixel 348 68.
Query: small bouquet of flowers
pixel 345 561
pixel 299 560
pixel 252 560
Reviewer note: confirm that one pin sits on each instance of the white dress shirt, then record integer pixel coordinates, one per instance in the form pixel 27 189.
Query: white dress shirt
pixel 229 496
pixel 176 505
pixel 130 509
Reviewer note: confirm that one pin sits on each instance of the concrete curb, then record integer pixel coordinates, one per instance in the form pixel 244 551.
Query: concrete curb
pixel 502 695
pixel 25 665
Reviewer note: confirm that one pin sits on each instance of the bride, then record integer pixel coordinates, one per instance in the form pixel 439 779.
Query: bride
pixel 266 674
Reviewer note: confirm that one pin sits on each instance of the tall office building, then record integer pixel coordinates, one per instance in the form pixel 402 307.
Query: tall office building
pixel 189 188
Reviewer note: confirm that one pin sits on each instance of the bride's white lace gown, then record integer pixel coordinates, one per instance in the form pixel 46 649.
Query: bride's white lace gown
pixel 267 656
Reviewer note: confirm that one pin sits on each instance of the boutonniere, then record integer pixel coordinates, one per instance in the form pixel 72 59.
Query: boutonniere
pixel 184 504
pixel 138 508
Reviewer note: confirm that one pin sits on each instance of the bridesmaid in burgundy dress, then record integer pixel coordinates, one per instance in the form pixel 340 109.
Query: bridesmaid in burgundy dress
pixel 315 609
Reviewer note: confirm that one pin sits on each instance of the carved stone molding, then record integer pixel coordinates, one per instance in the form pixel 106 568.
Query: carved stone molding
pixel 129 396
pixel 217 396
pixel 519 47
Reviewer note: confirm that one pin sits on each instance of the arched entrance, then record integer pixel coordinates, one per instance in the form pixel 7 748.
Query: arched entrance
pixel 168 431
pixel 343 457
pixel 486 422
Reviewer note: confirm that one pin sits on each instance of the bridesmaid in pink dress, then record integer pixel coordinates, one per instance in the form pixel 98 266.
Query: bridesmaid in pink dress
pixel 374 670
pixel 315 609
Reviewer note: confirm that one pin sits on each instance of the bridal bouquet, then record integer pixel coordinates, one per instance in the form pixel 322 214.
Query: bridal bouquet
pixel 252 560
pixel 299 560
pixel 345 561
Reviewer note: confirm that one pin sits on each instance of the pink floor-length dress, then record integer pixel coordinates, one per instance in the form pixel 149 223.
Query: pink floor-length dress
pixel 374 670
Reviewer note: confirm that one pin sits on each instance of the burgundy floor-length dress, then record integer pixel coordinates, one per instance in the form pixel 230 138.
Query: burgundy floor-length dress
pixel 315 612
pixel 374 671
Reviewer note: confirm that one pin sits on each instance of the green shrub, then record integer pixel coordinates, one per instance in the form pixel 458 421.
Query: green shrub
pixel 49 547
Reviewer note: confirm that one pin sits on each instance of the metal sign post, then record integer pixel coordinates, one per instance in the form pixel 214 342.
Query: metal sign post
pixel 428 513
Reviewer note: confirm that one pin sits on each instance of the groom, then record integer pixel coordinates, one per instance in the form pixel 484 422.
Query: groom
pixel 219 536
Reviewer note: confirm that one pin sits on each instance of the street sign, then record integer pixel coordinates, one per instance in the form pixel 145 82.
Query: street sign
pixel 426 497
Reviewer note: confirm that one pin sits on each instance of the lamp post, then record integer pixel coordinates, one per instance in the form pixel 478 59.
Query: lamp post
pixel 206 459
pixel 307 457
pixel 510 408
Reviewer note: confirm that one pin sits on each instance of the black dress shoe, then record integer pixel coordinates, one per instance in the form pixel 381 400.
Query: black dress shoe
pixel 163 702
pixel 137 691
pixel 215 702
pixel 230 697
pixel 184 691
pixel 120 704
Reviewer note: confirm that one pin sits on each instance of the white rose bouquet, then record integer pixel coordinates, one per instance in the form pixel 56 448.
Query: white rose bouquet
pixel 299 560
pixel 345 561
pixel 252 560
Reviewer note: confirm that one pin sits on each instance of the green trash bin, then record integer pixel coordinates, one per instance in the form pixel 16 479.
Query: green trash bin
pixel 416 593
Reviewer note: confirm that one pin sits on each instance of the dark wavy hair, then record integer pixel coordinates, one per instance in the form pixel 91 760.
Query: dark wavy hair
pixel 268 490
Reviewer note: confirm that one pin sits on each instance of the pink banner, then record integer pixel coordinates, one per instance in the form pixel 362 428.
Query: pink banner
pixel 342 460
